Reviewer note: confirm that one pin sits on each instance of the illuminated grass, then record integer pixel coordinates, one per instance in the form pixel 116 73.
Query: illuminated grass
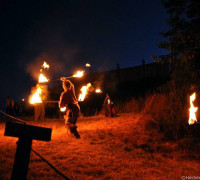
pixel 109 148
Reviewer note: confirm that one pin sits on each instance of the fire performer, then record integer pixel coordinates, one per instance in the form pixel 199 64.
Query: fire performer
pixel 109 107
pixel 68 99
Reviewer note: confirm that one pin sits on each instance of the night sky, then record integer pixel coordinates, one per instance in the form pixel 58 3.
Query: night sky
pixel 69 33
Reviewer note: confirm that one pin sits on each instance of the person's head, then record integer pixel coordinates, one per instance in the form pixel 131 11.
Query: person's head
pixel 67 85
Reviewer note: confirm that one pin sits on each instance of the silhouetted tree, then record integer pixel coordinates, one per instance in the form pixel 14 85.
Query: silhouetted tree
pixel 182 41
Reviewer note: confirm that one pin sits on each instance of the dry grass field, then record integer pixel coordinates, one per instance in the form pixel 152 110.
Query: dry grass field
pixel 122 147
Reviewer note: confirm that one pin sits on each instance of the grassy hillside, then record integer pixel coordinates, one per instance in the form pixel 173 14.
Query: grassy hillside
pixel 123 147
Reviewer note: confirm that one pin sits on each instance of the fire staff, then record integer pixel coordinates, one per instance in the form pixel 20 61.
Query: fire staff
pixel 68 99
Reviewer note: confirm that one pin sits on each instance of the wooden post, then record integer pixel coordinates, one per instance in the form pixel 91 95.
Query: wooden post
pixel 26 134
pixel 22 157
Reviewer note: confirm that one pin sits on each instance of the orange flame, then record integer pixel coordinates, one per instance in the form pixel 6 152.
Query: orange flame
pixel 63 109
pixel 98 90
pixel 84 91
pixel 42 78
pixel 192 110
pixel 78 74
pixel 45 65
pixel 35 98
pixel 88 65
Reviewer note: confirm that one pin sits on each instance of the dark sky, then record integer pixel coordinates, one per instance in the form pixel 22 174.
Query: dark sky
pixel 69 33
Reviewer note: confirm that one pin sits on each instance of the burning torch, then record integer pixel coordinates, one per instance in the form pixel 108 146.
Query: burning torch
pixel 78 74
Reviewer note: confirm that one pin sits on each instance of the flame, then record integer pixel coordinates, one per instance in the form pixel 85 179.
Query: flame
pixel 192 110
pixel 63 109
pixel 42 78
pixel 35 98
pixel 84 91
pixel 88 65
pixel 36 95
pixel 98 90
pixel 45 65
pixel 78 74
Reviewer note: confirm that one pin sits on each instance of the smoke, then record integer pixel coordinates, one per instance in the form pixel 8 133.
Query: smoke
pixel 62 63
pixel 105 64
pixel 99 82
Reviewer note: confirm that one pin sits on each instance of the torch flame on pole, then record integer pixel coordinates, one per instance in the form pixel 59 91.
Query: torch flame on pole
pixel 42 78
pixel 63 109
pixel 88 65
pixel 98 90
pixel 45 65
pixel 84 91
pixel 35 98
pixel 78 74
pixel 36 95
pixel 192 110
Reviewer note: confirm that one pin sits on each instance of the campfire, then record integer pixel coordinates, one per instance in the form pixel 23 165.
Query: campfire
pixel 192 110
